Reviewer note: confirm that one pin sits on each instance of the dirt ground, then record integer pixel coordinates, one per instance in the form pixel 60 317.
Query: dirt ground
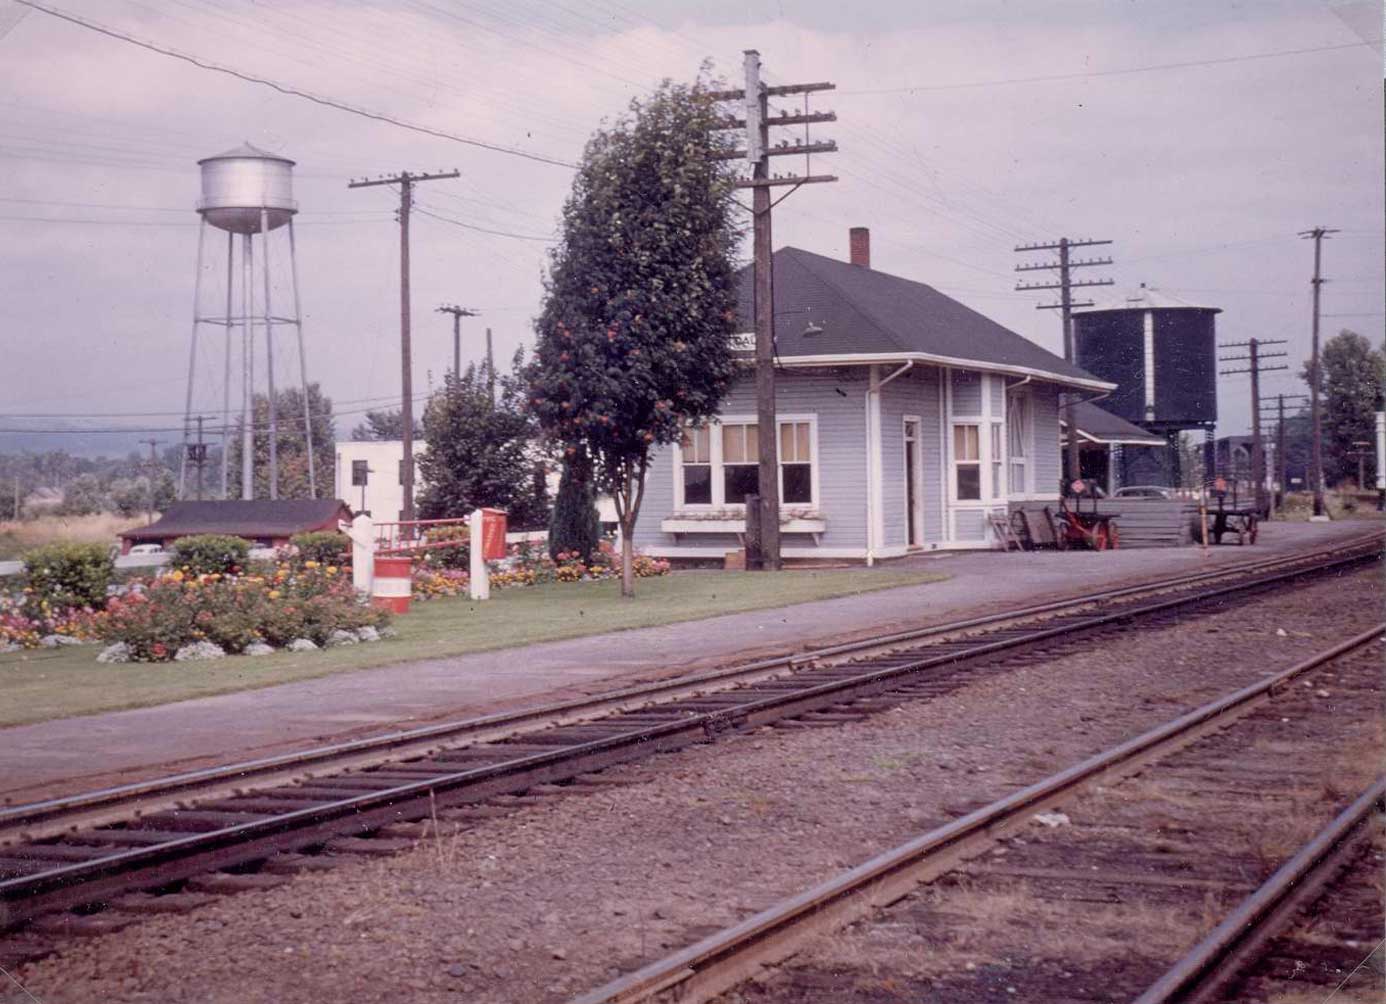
pixel 565 892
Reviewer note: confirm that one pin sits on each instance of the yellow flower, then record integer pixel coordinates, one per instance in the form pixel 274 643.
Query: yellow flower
pixel 310 564
pixel 177 576
pixel 331 569
pixel 274 594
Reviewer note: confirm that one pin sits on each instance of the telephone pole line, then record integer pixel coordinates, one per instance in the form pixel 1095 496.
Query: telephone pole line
pixel 1316 468
pixel 763 528
pixel 1253 358
pixel 1281 460
pixel 457 314
pixel 197 455
pixel 1066 285
pixel 153 469
pixel 490 370
pixel 406 182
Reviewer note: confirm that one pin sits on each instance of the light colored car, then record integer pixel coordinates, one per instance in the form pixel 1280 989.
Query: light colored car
pixel 147 549
pixel 1143 492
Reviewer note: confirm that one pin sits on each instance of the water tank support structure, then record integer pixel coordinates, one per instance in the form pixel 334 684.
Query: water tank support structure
pixel 248 191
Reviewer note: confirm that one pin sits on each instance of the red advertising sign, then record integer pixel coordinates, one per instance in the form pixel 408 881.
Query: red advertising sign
pixel 493 534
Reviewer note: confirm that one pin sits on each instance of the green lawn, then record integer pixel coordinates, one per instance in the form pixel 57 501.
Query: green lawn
pixel 58 683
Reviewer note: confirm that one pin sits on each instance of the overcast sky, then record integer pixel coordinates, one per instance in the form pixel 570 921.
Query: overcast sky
pixel 952 152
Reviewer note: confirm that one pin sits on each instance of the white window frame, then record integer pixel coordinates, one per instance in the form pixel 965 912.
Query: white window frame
pixel 953 461
pixel 715 455
pixel 1023 402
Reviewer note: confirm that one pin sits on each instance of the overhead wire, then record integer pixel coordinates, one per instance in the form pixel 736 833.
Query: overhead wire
pixel 293 91
pixel 1116 71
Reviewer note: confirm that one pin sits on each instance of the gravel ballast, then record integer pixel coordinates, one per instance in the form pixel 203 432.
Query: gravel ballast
pixel 561 893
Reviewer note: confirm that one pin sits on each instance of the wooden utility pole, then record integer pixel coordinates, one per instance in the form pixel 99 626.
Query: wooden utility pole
pixel 1253 358
pixel 1316 412
pixel 153 467
pixel 406 181
pixel 197 455
pixel 1277 410
pixel 1066 285
pixel 457 314
pixel 490 370
pixel 763 548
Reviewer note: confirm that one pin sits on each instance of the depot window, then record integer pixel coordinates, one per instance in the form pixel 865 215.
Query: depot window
pixel 720 465
pixel 967 463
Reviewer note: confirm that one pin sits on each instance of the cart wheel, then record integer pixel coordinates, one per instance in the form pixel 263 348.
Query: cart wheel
pixel 1113 537
pixel 1099 538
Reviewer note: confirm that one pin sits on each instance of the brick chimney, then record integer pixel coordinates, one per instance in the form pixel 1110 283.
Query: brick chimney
pixel 859 240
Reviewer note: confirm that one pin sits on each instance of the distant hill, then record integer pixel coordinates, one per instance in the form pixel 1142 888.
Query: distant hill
pixel 78 443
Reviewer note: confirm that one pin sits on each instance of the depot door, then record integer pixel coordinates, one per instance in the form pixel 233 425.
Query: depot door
pixel 914 488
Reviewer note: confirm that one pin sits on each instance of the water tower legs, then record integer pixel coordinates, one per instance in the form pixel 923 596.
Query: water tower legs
pixel 302 366
pixel 247 369
pixel 226 371
pixel 269 361
pixel 192 360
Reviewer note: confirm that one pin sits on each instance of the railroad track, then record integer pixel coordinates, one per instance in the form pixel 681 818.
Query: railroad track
pixel 96 849
pixel 1112 857
pixel 1268 944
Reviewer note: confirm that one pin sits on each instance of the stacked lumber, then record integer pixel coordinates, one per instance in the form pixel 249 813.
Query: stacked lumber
pixel 1152 522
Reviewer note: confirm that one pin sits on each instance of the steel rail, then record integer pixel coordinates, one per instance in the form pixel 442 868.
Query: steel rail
pixel 244 773
pixel 723 960
pixel 1235 943
pixel 67 885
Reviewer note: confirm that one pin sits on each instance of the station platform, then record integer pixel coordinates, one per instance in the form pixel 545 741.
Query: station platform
pixel 65 755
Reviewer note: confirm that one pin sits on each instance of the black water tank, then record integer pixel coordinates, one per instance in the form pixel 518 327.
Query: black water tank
pixel 1160 352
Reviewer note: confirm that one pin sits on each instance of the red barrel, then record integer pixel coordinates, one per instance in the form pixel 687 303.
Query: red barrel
pixel 393 583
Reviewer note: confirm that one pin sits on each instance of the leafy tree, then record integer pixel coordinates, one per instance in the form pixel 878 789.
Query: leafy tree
pixel 575 525
pixel 383 425
pixel 479 455
pixel 130 496
pixel 84 496
pixel 634 336
pixel 1354 375
pixel 293 453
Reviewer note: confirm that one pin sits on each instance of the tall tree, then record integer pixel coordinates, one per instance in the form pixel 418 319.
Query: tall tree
pixel 575 526
pixel 479 455
pixel 639 307
pixel 383 425
pixel 1354 375
pixel 293 451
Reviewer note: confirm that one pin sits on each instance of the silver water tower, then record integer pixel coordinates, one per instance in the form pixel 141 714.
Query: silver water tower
pixel 247 191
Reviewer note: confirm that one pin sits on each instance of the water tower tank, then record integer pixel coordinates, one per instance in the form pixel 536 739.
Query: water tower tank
pixel 1160 351
pixel 237 184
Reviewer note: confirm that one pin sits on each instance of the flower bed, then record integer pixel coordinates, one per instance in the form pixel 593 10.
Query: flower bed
pixel 528 565
pixel 201 615
pixel 274 607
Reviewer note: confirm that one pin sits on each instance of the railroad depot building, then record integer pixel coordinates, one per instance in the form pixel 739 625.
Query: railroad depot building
pixel 906 420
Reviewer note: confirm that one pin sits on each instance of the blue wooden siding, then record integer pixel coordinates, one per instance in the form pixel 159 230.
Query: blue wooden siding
pixel 841 458
pixel 967 392
pixel 1047 461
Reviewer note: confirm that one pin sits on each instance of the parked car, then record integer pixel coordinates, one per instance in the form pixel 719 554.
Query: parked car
pixel 1143 492
pixel 147 549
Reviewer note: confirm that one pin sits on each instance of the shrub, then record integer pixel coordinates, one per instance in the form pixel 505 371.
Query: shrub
pixel 67 575
pixel 448 547
pixel 328 547
pixel 574 525
pixel 235 612
pixel 211 553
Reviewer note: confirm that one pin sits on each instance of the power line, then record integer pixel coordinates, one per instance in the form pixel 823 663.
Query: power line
pixel 1124 71
pixel 485 230
pixel 291 91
